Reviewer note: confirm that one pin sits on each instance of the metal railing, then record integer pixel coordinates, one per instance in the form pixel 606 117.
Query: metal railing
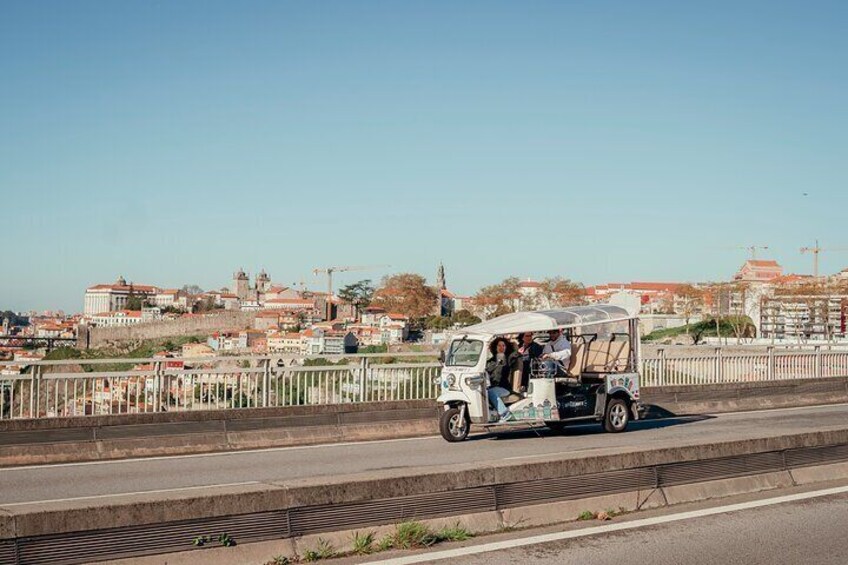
pixel 131 386
pixel 723 365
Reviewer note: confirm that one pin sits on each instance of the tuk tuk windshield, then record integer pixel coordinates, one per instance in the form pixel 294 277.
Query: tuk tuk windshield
pixel 464 353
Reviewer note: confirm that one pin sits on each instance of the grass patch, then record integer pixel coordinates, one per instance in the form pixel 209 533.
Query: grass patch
pixel 586 515
pixel 453 533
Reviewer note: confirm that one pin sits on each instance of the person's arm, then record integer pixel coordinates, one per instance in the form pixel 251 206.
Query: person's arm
pixel 563 354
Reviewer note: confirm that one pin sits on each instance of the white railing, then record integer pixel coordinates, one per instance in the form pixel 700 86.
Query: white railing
pixel 131 386
pixel 723 365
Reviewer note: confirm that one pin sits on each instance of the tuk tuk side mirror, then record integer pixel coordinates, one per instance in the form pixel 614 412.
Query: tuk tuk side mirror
pixel 442 356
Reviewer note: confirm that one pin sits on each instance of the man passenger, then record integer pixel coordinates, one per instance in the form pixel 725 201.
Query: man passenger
pixel 556 353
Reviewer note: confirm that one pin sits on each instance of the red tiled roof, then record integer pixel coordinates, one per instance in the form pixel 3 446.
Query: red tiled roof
pixel 530 284
pixel 300 301
pixel 762 263
pixel 125 288
pixel 396 316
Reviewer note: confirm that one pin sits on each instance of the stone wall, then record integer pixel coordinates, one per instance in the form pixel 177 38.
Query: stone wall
pixel 194 325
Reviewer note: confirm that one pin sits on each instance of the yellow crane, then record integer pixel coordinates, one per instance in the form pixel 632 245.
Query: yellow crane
pixel 329 272
pixel 815 250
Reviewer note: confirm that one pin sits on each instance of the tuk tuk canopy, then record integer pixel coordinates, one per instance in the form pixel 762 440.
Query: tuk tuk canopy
pixel 545 320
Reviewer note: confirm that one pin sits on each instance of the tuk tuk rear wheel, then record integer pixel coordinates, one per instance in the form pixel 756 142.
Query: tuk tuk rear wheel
pixel 449 425
pixel 617 416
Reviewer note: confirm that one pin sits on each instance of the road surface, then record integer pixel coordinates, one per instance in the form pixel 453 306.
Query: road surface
pixel 81 480
pixel 807 531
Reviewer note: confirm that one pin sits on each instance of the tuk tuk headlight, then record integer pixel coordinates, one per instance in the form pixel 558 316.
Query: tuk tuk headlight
pixel 474 381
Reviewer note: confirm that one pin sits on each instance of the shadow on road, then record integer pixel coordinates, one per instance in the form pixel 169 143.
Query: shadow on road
pixel 585 428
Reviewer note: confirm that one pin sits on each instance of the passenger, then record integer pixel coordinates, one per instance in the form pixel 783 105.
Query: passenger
pixel 528 350
pixel 499 368
pixel 556 353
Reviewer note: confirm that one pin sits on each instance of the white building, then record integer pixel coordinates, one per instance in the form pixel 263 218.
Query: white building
pixel 114 297
pixel 116 319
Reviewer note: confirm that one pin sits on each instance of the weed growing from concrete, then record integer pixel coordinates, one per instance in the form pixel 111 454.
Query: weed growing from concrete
pixel 325 550
pixel 279 560
pixel 363 543
pixel 410 535
pixel 586 515
pixel 453 533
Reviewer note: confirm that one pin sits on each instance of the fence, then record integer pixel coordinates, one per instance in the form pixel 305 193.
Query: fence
pixel 129 386
pixel 97 387
pixel 723 365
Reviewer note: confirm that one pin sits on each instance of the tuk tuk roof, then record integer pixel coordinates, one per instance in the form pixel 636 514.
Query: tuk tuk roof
pixel 544 320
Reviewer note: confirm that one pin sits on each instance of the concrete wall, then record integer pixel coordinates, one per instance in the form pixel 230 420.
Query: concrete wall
pixel 194 325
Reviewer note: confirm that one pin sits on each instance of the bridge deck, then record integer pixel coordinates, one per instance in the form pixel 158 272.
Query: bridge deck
pixel 107 478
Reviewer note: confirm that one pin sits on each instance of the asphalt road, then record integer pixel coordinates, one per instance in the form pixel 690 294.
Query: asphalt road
pixel 80 480
pixel 811 531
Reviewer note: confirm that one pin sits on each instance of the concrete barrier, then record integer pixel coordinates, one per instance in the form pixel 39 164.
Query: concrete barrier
pixel 87 438
pixel 485 496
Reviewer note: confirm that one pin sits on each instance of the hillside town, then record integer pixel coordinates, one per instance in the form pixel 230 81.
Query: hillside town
pixel 760 302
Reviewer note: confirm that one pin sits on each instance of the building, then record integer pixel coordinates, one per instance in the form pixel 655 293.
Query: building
pixel 287 342
pixel 803 316
pixel 115 297
pixel 116 319
pixel 759 270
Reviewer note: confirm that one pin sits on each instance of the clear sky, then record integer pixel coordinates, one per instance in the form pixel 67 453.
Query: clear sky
pixel 174 142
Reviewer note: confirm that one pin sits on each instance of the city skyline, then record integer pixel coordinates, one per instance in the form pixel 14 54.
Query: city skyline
pixel 170 144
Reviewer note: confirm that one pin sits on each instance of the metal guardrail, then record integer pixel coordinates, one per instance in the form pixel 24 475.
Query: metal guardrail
pixel 130 386
pixel 722 365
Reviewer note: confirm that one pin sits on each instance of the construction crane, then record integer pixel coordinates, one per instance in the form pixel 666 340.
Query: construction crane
pixel 815 251
pixel 329 272
pixel 752 249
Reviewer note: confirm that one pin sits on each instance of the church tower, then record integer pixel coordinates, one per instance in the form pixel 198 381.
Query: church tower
pixel 241 284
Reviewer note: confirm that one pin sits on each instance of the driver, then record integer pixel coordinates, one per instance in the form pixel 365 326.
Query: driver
pixel 556 353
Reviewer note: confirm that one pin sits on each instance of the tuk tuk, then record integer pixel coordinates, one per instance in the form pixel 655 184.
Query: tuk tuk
pixel 599 381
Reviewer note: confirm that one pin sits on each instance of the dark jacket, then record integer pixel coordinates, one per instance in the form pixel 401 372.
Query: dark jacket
pixel 534 352
pixel 500 371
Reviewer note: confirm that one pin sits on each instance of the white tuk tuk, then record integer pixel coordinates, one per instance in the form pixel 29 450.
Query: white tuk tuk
pixel 600 380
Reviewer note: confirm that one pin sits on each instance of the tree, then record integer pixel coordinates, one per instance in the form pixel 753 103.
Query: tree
pixel 360 294
pixel 690 300
pixel 205 304
pixel 557 292
pixel 192 289
pixel 497 299
pixel 407 294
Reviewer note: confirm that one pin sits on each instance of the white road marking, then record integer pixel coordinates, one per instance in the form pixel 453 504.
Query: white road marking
pixel 94 497
pixel 213 454
pixel 613 527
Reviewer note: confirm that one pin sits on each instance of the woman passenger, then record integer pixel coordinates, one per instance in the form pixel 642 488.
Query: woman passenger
pixel 528 350
pixel 499 368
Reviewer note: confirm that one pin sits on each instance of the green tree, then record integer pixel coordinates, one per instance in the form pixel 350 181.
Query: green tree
pixel 360 294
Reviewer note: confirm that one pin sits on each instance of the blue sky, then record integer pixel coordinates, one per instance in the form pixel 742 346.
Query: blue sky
pixel 174 142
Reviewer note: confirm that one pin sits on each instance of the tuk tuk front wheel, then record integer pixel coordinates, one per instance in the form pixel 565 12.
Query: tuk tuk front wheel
pixel 450 427
pixel 617 416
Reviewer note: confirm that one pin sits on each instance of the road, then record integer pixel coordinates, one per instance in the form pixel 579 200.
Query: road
pixel 806 531
pixel 81 480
